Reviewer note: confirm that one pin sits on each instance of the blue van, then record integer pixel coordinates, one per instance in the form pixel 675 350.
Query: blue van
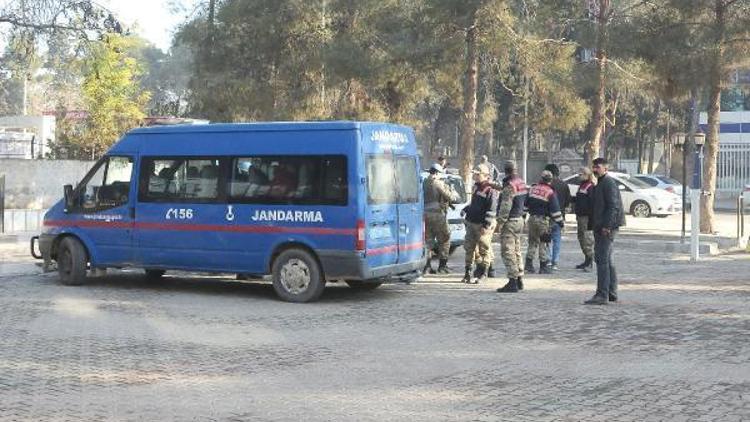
pixel 305 202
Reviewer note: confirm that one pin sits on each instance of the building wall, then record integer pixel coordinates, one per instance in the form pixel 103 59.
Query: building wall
pixel 38 184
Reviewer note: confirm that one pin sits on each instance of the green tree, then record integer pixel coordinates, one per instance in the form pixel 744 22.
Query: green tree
pixel 112 94
pixel 701 42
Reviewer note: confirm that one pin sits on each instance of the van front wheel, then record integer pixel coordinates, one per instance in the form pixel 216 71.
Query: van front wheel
pixel 71 262
pixel 297 276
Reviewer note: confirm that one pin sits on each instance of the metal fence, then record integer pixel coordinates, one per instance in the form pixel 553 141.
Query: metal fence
pixel 733 171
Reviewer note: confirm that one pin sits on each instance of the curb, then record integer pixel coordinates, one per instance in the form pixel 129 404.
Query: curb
pixel 704 248
pixel 8 238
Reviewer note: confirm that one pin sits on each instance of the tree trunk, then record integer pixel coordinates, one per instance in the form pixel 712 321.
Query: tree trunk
pixel 639 140
pixel 668 145
pixel 714 109
pixel 469 117
pixel 711 154
pixel 652 143
pixel 211 24
pixel 597 109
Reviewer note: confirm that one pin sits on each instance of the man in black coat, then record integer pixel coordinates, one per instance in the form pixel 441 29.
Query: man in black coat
pixel 562 192
pixel 606 219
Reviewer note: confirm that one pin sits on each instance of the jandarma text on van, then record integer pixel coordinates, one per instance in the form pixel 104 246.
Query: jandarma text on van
pixel 283 215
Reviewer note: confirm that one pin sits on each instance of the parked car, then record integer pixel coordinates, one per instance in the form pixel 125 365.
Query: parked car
pixel 662 182
pixel 455 221
pixel 639 198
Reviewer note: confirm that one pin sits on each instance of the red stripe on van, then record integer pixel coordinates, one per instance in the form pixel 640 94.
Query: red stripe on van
pixel 203 227
pixel 90 223
pixel 394 248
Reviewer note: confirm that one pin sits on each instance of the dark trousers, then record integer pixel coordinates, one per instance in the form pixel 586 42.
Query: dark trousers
pixel 606 276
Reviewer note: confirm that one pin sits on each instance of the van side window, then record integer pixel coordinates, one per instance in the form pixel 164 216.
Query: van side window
pixel 304 180
pixel 407 180
pixel 106 186
pixel 381 180
pixel 179 179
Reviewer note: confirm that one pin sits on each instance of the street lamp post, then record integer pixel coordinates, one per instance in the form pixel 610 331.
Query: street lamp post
pixel 679 141
pixel 695 196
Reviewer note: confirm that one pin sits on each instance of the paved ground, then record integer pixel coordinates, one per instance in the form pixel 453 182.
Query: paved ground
pixel 207 348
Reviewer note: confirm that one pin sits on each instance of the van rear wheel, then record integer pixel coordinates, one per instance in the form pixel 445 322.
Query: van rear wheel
pixel 364 285
pixel 71 262
pixel 297 276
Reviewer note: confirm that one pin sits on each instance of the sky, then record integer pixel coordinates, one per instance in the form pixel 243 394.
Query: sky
pixel 153 19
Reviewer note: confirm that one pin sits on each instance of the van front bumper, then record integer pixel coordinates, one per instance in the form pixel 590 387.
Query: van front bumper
pixel 349 265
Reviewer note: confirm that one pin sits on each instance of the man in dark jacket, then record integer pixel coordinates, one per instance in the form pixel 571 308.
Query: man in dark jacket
pixel 542 205
pixel 583 208
pixel 480 223
pixel 562 192
pixel 607 217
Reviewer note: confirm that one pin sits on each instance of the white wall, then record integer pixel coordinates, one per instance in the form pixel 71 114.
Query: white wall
pixel 38 184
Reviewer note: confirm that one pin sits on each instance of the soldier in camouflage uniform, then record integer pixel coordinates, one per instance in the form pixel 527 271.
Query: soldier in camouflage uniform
pixel 542 205
pixel 480 224
pixel 438 196
pixel 510 224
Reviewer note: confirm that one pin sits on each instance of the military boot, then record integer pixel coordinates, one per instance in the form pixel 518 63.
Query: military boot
pixel 545 267
pixel 428 267
pixel 519 282
pixel 480 274
pixel 443 267
pixel 585 264
pixel 529 267
pixel 491 271
pixel 589 264
pixel 511 287
pixel 467 275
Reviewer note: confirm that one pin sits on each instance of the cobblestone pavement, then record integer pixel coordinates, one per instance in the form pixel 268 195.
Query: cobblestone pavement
pixel 209 348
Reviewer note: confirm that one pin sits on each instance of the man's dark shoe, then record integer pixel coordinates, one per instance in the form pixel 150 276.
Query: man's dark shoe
pixel 443 267
pixel 491 271
pixel 519 283
pixel 596 300
pixel 586 264
pixel 545 268
pixel 511 287
pixel 467 276
pixel 529 267
pixel 612 298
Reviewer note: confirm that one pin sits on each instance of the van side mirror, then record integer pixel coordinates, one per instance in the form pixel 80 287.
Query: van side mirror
pixel 621 187
pixel 68 195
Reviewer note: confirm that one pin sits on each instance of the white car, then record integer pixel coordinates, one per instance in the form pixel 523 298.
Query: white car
pixel 455 221
pixel 662 182
pixel 638 198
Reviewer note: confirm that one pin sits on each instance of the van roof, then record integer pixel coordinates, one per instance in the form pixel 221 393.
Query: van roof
pixel 258 127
